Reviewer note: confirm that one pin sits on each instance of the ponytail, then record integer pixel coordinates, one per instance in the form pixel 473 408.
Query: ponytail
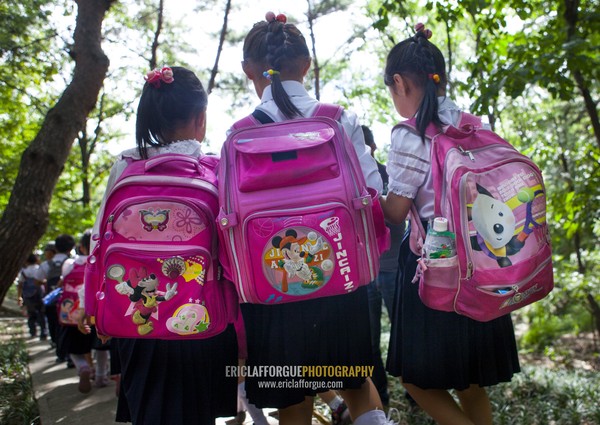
pixel 421 61
pixel 281 47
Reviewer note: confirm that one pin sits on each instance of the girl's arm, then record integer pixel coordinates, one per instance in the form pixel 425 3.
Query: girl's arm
pixel 395 207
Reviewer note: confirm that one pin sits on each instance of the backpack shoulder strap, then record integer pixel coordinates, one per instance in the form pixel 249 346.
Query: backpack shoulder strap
pixel 262 117
pixel 430 132
pixel 328 110
pixel 257 117
pixel 470 119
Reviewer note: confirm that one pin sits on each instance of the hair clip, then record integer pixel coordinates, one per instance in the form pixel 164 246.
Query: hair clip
pixel 420 28
pixel 434 77
pixel 155 76
pixel 271 17
pixel 268 74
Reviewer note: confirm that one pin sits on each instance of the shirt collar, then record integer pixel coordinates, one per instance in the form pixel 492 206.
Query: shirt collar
pixel 292 88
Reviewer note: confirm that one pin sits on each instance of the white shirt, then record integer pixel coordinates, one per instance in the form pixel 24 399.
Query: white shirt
pixel 306 105
pixel 409 162
pixel 42 271
pixel 29 271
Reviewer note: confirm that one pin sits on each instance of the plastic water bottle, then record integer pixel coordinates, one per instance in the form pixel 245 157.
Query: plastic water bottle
pixel 439 241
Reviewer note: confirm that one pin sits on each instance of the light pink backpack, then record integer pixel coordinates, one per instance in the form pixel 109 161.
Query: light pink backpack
pixel 495 202
pixel 297 217
pixel 68 304
pixel 154 272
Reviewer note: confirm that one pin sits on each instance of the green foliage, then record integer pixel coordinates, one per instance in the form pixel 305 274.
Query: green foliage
pixel 28 61
pixel 566 310
pixel 17 400
pixel 526 66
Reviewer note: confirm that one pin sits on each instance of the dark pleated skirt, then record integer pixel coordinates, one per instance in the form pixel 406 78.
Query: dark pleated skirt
pixel 76 342
pixel 330 331
pixel 177 382
pixel 441 350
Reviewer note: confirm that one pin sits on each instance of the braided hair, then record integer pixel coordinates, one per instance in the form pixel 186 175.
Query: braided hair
pixel 281 47
pixel 166 105
pixel 419 60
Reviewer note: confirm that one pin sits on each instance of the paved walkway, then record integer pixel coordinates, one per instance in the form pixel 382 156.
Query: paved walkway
pixel 59 400
pixel 61 403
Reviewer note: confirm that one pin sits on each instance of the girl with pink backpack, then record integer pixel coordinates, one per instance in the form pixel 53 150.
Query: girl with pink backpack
pixel 149 281
pixel 434 351
pixel 322 331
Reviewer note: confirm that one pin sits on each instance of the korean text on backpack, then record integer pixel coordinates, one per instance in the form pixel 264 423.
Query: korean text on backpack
pixel 68 305
pixel 154 272
pixel 495 202
pixel 298 220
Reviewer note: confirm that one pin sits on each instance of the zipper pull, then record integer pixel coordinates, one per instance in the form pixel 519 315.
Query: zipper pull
pixel 108 235
pixel 468 153
pixel 469 270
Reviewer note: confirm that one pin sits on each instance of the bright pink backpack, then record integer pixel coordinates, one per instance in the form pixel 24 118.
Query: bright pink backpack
pixel 68 304
pixel 154 271
pixel 495 202
pixel 297 217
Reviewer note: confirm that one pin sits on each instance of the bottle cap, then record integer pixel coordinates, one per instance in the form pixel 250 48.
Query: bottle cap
pixel 440 224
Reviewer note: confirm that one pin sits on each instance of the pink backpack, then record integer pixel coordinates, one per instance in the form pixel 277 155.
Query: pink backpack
pixel 154 271
pixel 298 220
pixel 495 202
pixel 68 304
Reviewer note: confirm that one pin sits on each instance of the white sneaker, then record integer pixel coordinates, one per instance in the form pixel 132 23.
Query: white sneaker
pixel 389 416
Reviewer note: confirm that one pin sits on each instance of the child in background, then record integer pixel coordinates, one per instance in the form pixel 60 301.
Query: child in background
pixel 50 273
pixel 318 331
pixel 175 382
pixel 434 351
pixel 79 345
pixel 29 293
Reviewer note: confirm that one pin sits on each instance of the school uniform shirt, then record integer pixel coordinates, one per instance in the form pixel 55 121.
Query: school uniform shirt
pixel 42 271
pixel 306 105
pixel 29 271
pixel 409 161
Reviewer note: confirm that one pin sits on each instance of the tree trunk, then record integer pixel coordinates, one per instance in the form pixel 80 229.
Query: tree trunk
pixel 25 218
pixel 571 16
pixel 311 21
pixel 215 69
pixel 595 311
pixel 155 43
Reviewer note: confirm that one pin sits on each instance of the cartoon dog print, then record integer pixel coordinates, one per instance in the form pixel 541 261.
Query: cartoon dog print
pixel 494 222
pixel 141 289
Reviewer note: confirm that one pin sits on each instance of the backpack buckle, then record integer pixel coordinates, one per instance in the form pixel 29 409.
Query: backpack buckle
pixel 362 202
pixel 225 221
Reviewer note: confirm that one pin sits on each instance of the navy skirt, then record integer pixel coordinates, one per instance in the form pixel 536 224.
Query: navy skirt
pixel 177 382
pixel 330 331
pixel 442 350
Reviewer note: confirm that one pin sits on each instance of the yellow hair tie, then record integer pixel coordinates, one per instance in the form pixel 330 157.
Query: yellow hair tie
pixel 269 73
pixel 435 78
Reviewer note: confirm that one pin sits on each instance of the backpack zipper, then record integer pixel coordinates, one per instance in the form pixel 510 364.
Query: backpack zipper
pixel 168 181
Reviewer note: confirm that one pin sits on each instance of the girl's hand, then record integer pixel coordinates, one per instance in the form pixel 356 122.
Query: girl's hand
pixel 104 338
pixel 83 323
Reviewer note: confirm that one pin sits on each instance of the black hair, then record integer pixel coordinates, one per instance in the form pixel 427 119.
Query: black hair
pixel 281 47
pixel 64 243
pixel 418 59
pixel 165 107
pixel 369 139
pixel 84 241
pixel 32 258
